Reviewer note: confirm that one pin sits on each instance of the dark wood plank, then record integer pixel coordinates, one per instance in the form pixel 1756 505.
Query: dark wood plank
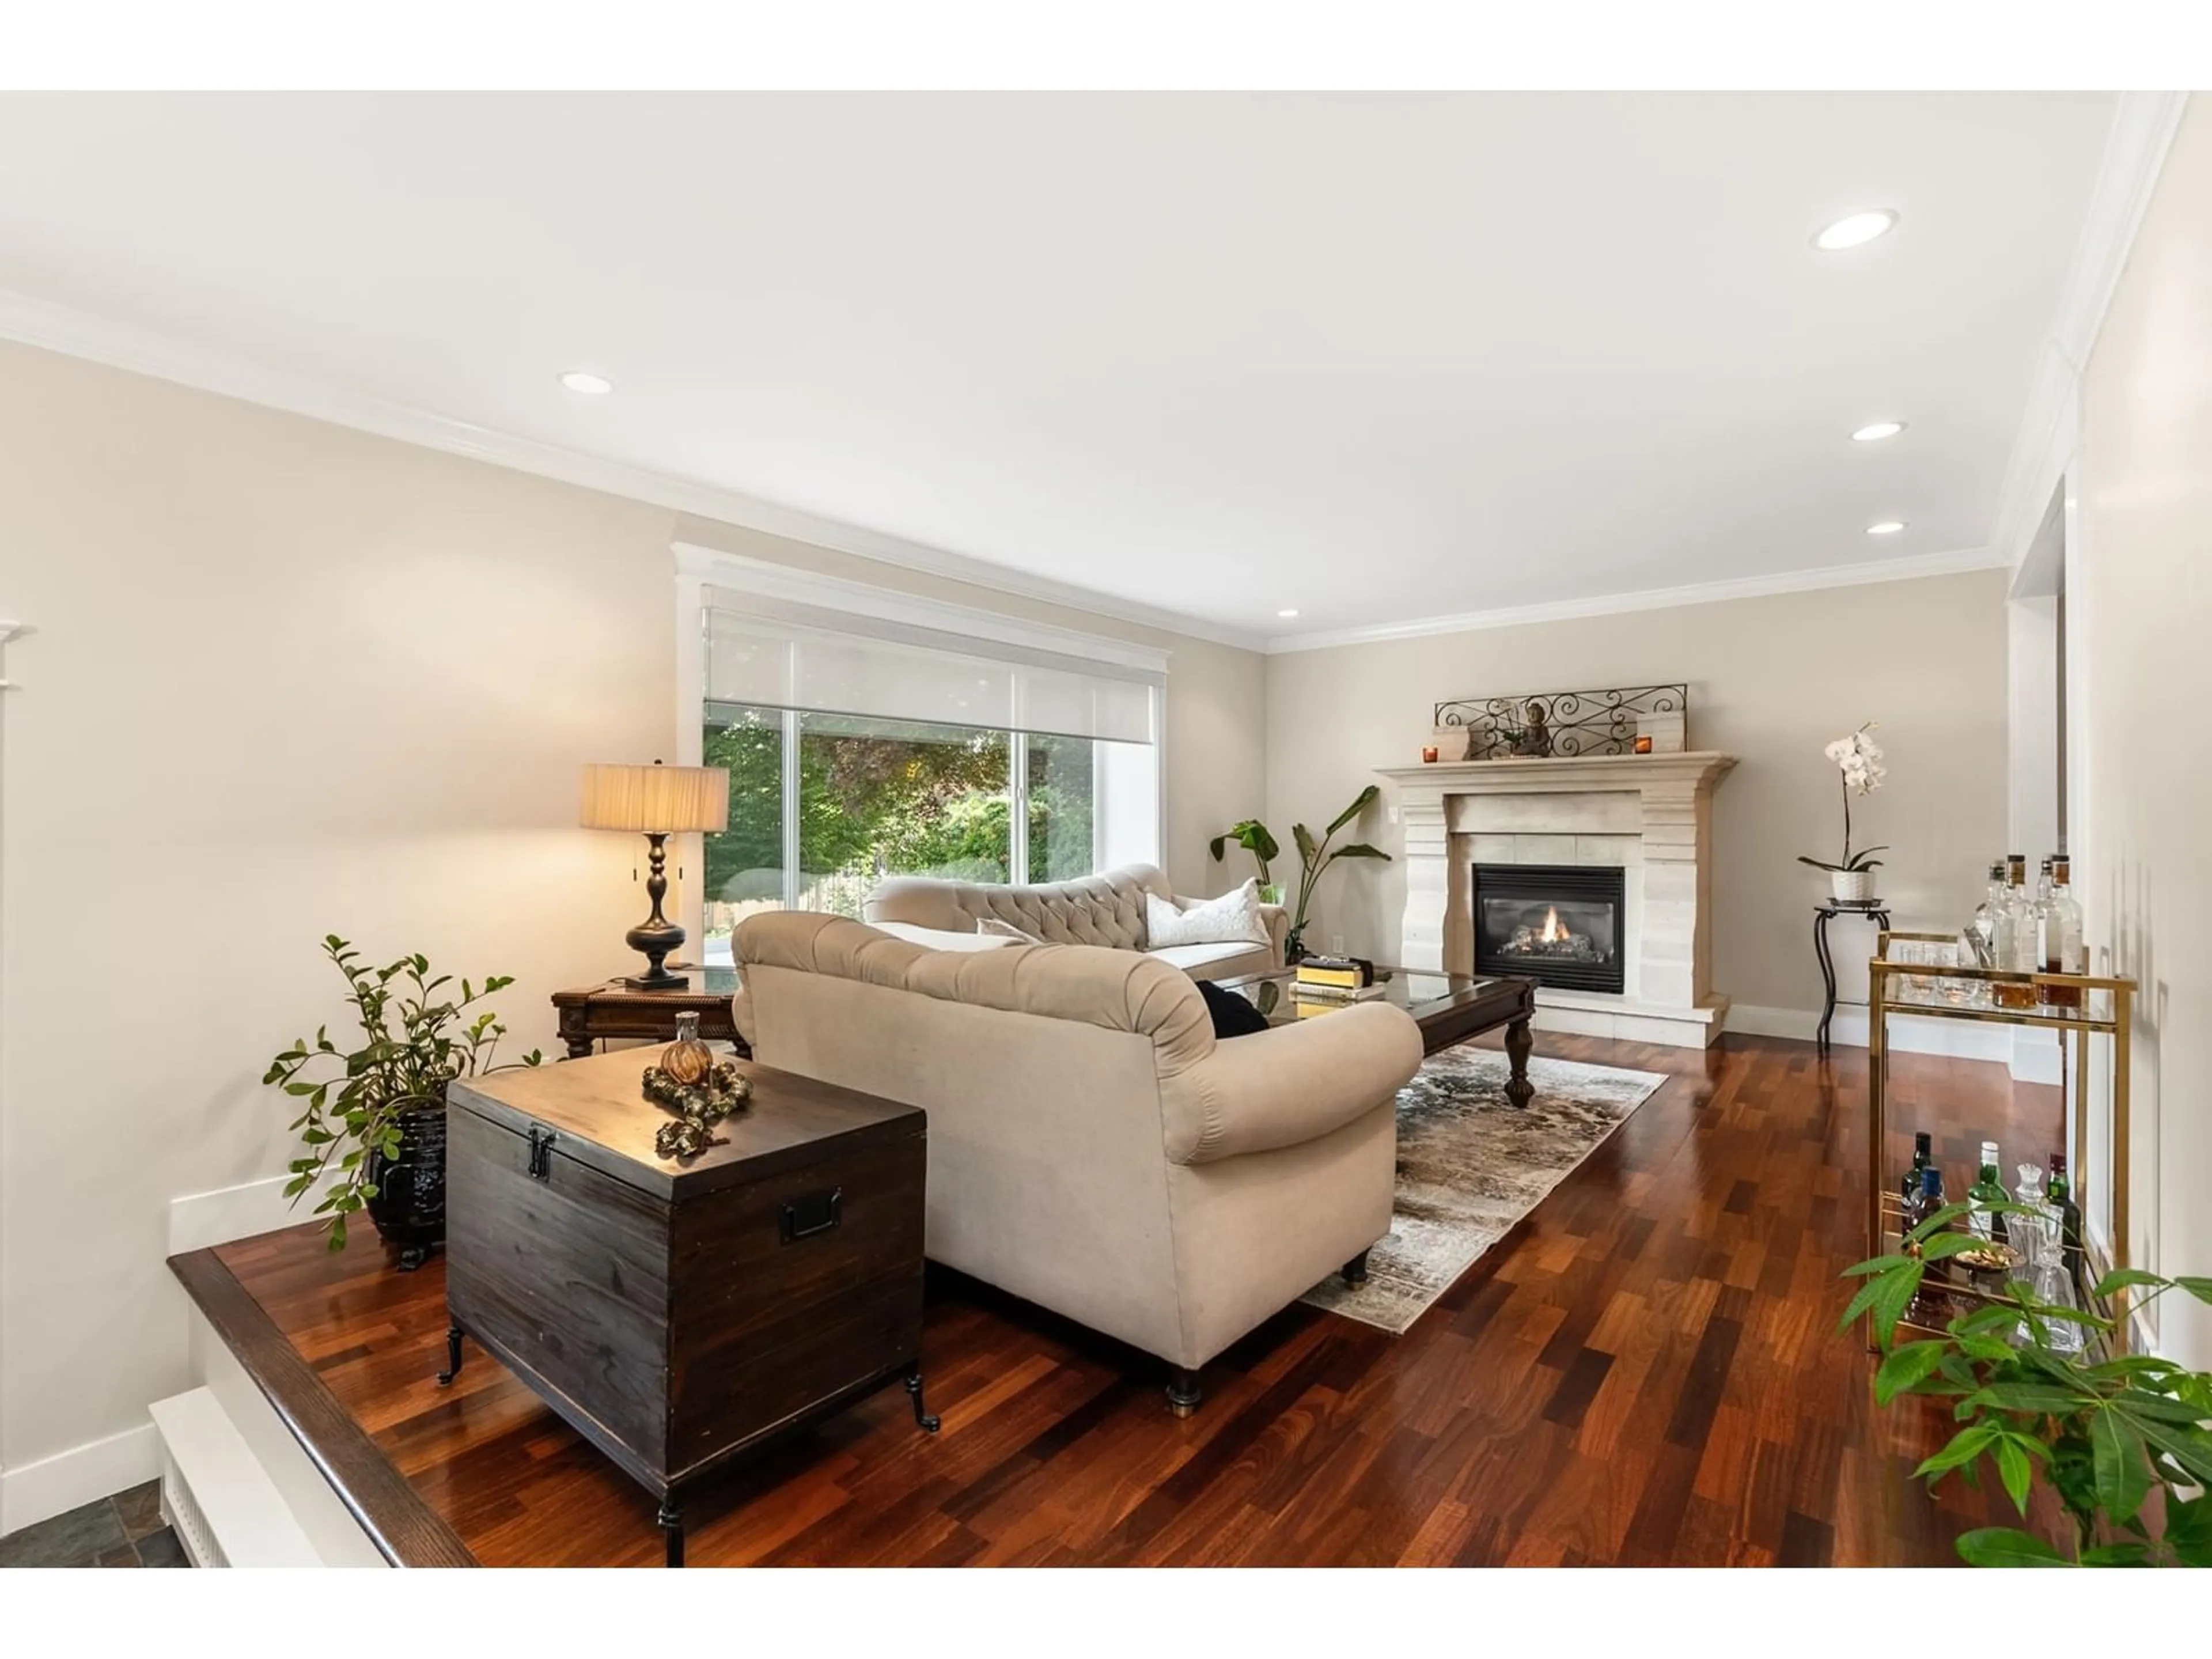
pixel 1644 1370
pixel 405 1529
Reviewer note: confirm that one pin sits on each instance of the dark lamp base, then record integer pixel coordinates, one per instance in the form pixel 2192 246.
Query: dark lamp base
pixel 659 980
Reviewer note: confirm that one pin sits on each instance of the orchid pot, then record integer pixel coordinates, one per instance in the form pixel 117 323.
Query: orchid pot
pixel 1852 886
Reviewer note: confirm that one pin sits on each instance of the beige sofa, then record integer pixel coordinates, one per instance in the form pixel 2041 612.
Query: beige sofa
pixel 1107 910
pixel 1091 1147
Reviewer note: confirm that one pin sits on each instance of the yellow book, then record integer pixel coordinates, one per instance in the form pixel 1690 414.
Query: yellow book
pixel 1347 977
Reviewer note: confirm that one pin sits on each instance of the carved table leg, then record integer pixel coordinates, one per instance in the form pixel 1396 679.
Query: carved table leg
pixel 580 1046
pixel 923 1420
pixel 1518 1089
pixel 453 1334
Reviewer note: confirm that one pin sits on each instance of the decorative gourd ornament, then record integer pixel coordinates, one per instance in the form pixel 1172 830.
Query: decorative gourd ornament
pixel 687 1059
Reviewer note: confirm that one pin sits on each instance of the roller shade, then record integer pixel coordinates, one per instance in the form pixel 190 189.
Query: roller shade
pixel 781 654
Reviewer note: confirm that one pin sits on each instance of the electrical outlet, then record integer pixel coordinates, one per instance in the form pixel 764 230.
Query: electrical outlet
pixel 1394 812
pixel 1336 944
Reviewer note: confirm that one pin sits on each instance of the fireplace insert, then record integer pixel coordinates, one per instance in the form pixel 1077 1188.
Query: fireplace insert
pixel 1557 924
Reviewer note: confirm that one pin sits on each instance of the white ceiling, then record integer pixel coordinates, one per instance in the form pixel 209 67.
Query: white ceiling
pixel 1376 358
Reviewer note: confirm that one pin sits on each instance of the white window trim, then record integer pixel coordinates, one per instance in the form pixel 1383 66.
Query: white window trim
pixel 698 568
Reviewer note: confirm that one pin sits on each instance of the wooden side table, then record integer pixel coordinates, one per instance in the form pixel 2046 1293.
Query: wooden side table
pixel 612 1009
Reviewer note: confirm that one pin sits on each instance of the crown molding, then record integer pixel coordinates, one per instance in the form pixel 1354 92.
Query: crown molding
pixel 2136 146
pixel 144 351
pixel 1656 598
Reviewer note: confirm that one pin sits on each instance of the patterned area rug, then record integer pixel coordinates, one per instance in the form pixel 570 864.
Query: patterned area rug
pixel 1470 1166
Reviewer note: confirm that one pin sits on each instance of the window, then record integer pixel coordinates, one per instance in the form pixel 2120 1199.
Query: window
pixel 861 745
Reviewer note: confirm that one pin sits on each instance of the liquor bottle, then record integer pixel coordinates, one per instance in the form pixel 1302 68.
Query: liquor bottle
pixel 1988 1189
pixel 2061 942
pixel 2015 943
pixel 1982 931
pixel 2059 1192
pixel 1924 1202
pixel 1922 1156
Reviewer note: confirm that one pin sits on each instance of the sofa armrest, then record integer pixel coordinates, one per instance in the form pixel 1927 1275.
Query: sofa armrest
pixel 1278 919
pixel 1291 1084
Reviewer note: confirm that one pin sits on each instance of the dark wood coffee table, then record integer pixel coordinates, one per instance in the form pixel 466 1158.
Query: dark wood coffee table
pixel 1448 1007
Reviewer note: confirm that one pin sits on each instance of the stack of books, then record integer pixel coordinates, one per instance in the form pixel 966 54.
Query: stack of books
pixel 1332 980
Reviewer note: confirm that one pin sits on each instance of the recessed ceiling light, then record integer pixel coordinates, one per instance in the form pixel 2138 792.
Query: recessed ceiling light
pixel 1854 231
pixel 1887 528
pixel 592 385
pixel 1877 432
pixel 1286 614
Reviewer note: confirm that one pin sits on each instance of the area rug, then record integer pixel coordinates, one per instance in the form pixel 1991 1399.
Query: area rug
pixel 1470 1166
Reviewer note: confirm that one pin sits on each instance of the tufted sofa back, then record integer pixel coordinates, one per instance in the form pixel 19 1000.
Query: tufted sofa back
pixel 1107 910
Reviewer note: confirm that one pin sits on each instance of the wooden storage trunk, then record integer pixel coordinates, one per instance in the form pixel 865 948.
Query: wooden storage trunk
pixel 677 1315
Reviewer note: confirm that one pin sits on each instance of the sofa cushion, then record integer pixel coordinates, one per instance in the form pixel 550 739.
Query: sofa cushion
pixel 937 938
pixel 1210 958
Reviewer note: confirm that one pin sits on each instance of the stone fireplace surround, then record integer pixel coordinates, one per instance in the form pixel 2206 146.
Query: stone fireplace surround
pixel 1650 814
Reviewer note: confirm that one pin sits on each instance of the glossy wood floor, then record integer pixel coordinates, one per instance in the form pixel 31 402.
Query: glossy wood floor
pixel 1644 1371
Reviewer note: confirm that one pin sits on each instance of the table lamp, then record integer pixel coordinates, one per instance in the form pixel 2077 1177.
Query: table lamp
pixel 656 801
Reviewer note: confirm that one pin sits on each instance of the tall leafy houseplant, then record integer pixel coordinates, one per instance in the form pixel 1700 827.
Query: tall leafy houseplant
pixel 2105 1435
pixel 1314 857
pixel 356 1111
pixel 1255 838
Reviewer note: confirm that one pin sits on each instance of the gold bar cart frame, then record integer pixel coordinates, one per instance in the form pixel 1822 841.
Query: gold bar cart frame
pixel 2075 1027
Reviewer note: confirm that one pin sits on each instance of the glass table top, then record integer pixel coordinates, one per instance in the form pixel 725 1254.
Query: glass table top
pixel 1418 991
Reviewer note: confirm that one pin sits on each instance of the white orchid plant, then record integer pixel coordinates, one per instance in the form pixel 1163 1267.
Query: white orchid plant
pixel 1859 759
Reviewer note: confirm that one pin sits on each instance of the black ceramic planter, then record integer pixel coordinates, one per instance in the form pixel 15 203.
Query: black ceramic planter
pixel 410 1205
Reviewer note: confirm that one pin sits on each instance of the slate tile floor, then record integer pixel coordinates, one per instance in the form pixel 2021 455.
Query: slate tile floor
pixel 125 1530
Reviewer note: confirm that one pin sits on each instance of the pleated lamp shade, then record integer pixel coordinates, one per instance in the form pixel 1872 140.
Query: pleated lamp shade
pixel 656 799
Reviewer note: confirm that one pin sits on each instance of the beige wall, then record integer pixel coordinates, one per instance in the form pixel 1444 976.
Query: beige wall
pixel 1771 680
pixel 2140 667
pixel 290 679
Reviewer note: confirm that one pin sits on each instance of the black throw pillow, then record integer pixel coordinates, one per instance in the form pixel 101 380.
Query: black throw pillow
pixel 1233 1016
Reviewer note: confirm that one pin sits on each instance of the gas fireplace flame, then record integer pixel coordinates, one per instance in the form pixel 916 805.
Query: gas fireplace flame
pixel 1553 934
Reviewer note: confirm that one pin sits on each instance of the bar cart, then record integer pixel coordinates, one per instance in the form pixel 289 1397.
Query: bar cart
pixel 1922 974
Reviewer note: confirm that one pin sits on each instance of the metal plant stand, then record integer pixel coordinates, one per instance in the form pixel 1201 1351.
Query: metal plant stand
pixel 1824 913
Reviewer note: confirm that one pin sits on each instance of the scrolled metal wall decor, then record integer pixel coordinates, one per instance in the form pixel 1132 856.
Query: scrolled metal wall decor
pixel 1600 722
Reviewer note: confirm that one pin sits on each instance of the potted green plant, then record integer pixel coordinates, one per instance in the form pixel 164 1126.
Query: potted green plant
pixel 1314 858
pixel 1255 838
pixel 1859 762
pixel 2107 1436
pixel 374 1123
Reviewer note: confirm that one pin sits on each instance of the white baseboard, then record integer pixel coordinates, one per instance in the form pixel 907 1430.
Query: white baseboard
pixel 32 1493
pixel 198 1220
pixel 1908 1034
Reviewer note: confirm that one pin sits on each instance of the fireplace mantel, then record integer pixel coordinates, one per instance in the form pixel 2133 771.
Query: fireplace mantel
pixel 1650 814
pixel 1562 772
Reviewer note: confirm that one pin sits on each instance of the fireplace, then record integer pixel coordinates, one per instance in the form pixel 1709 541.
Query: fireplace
pixel 1557 924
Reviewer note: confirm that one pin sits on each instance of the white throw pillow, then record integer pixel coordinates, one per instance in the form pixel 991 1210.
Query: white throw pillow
pixel 1232 918
pixel 992 927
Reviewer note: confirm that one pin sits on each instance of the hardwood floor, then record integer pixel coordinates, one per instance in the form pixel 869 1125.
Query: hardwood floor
pixel 1644 1371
